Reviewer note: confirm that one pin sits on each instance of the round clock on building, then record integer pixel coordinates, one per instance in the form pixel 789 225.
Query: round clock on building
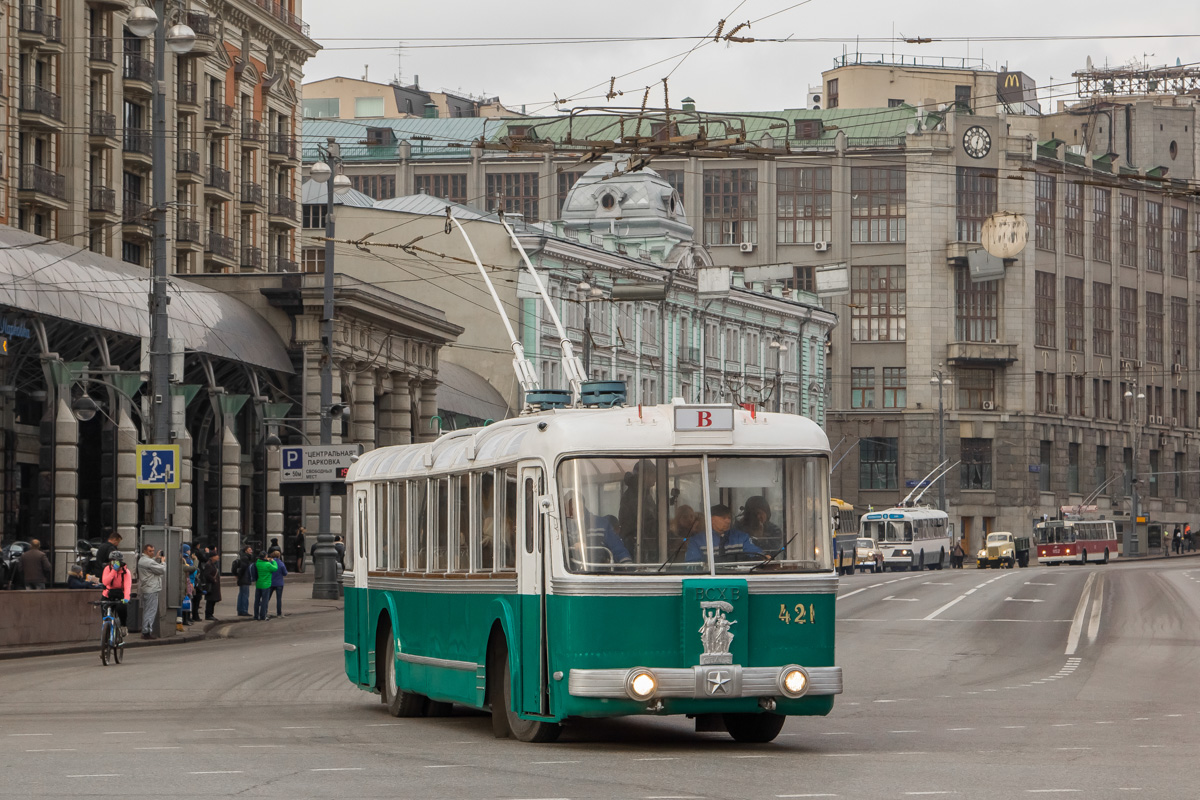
pixel 977 142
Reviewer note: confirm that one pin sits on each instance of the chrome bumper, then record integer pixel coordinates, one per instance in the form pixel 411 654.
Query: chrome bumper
pixel 710 682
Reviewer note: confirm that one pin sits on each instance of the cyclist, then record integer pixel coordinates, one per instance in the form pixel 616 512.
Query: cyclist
pixel 117 582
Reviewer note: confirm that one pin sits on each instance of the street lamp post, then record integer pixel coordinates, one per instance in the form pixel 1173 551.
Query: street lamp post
pixel 782 348
pixel 941 380
pixel 591 294
pixel 324 554
pixel 143 22
pixel 1131 541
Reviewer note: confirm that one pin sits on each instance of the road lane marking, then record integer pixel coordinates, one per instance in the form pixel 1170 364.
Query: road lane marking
pixel 902 599
pixel 336 769
pixel 656 759
pixel 53 750
pixel 121 733
pixel 932 583
pixel 875 586
pixel 1013 727
pixel 1080 611
pixel 446 766
pixel 553 762
pixel 1097 609
pixel 218 772
pixel 1031 583
pixel 213 730
pixel 903 731
pixel 1022 600
pixel 31 734
pixel 965 595
pixel 161 747
pixel 960 729
pixel 98 775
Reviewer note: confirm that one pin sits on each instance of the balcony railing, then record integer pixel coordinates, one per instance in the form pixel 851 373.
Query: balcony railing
pixel 187 230
pixel 189 161
pixel 187 93
pixel 102 49
pixel 281 264
pixel 201 23
pixel 218 112
pixel 252 130
pixel 284 207
pixel 252 258
pixel 282 144
pixel 218 179
pixel 139 140
pixel 41 101
pixel 252 193
pixel 138 68
pixel 283 15
pixel 137 210
pixel 103 124
pixel 220 245
pixel 34 19
pixel 35 178
pixel 103 199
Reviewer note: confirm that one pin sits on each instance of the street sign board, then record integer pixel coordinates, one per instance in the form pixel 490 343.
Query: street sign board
pixel 317 463
pixel 158 466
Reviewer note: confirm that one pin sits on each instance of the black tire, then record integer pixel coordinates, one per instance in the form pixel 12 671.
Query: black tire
pixel 1105 556
pixel 754 728
pixel 118 651
pixel 105 643
pixel 399 703
pixel 524 730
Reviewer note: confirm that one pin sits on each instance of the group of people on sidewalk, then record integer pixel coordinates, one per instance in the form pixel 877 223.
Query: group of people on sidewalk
pixel 265 571
pixel 1180 541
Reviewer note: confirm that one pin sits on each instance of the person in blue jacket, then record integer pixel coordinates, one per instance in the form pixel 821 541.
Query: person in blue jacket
pixel 727 540
pixel 595 527
pixel 277 582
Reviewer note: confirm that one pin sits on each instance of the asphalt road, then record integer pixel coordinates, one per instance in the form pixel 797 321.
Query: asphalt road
pixel 1076 681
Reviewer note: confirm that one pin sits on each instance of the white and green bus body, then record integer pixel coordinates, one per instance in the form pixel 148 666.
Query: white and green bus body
pixel 593 579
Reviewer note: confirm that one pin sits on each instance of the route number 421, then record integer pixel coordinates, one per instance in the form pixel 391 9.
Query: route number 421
pixel 797 615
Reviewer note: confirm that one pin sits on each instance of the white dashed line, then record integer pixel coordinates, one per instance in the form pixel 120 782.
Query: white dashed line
pixel 98 775
pixel 446 766
pixel 656 759
pixel 121 733
pixel 553 762
pixel 213 730
pixel 164 747
pixel 53 750
pixel 218 772
pixel 31 734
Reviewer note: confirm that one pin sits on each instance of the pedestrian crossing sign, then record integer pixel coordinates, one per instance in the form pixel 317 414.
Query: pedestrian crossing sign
pixel 158 466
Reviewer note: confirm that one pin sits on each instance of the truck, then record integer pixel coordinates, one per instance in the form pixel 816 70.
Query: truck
pixel 1000 550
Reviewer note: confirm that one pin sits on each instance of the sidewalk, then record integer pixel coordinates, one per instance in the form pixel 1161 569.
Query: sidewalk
pixel 297 601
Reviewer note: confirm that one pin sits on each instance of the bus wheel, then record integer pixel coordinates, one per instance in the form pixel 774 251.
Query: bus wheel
pixel 754 728
pixel 942 560
pixel 400 704
pixel 524 730
pixel 1105 556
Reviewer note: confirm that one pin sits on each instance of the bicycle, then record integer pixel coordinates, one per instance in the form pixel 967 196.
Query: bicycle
pixel 112 641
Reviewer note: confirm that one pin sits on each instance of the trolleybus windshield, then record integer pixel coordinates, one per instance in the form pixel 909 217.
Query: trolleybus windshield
pixel 647 515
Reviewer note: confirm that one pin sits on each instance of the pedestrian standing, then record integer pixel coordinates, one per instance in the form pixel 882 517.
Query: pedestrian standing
pixel 277 583
pixel 262 571
pixel 241 570
pixel 151 568
pixel 340 547
pixel 1177 541
pixel 104 551
pixel 298 548
pixel 35 566
pixel 957 555
pixel 210 576
pixel 190 569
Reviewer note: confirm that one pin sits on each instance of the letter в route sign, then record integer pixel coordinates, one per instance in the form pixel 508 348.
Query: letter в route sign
pixel 158 466
pixel 703 418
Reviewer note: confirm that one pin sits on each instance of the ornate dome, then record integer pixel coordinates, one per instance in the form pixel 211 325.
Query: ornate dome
pixel 609 199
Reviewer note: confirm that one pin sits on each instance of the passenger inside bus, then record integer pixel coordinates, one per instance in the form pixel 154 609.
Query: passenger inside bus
pixel 598 542
pixel 730 542
pixel 756 521
pixel 638 514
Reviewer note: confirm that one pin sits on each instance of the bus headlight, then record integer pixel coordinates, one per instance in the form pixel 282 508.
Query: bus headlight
pixel 793 681
pixel 640 683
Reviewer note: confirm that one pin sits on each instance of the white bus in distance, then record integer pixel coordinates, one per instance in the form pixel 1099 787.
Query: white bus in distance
pixel 910 538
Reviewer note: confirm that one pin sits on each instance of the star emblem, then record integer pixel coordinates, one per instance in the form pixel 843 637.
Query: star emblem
pixel 717 682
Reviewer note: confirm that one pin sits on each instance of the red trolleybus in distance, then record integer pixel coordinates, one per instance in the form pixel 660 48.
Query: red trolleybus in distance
pixel 1071 541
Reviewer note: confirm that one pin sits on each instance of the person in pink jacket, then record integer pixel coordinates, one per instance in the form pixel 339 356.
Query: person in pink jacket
pixel 117 585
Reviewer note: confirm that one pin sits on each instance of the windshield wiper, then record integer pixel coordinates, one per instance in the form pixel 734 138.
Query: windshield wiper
pixel 771 558
pixel 672 558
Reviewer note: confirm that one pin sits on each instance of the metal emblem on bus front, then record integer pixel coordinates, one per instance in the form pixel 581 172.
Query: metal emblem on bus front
pixel 714 633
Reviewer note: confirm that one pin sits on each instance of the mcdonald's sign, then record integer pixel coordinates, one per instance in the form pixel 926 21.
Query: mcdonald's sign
pixel 1014 88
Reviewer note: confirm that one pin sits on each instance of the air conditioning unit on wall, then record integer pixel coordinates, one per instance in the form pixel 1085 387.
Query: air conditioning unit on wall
pixel 747 247
pixel 989 405
pixel 821 247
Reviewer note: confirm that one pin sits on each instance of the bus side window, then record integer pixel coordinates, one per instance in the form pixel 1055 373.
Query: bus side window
pixel 460 552
pixel 418 517
pixel 382 526
pixel 506 521
pixel 530 513
pixel 399 491
pixel 483 512
pixel 440 507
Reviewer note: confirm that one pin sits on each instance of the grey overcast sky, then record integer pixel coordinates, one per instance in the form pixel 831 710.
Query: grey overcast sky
pixel 361 38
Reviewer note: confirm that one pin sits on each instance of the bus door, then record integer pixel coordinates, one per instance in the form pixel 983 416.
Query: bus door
pixel 356 546
pixel 531 653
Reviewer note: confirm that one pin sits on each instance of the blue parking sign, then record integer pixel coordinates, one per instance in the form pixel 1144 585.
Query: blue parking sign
pixel 158 466
pixel 293 458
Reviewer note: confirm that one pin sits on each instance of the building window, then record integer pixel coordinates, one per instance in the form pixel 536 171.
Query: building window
pixel 1179 467
pixel 975 472
pixel 1152 478
pixel 976 201
pixel 730 206
pixel 1044 454
pixel 1154 236
pixel 314 215
pixel 831 93
pixel 1102 319
pixel 1100 477
pixel 368 107
pixel 675 177
pixel 862 387
pixel 803 280
pixel 515 192
pixel 1073 218
pixel 379 187
pixel 977 308
pixel 1046 310
pixel 895 102
pixel 1102 225
pixel 1178 243
pixel 566 180
pixel 879 306
pixel 1073 384
pixel 313 259
pixel 962 97
pixel 1129 322
pixel 1073 311
pixel 132 253
pixel 895 387
pixel 322 107
pixel 447 186
pixel 976 388
pixel 1101 399
pixel 877 463
pixel 1073 468
pixel 804 205
pixel 1154 327
pixel 1127 230
pixel 1045 392
pixel 877 204
pixel 1044 212
pixel 1179 328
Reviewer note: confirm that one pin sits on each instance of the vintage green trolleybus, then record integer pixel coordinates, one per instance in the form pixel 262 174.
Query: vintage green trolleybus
pixel 556 566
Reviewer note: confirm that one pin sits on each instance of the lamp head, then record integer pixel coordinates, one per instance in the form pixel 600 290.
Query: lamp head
pixel 84 408
pixel 180 39
pixel 341 184
pixel 272 442
pixel 142 22
pixel 320 172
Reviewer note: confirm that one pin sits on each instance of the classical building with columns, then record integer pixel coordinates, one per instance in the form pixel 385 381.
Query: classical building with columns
pixel 246 359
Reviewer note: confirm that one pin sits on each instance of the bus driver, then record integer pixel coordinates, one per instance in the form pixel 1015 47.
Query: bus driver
pixel 727 539
pixel 599 535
